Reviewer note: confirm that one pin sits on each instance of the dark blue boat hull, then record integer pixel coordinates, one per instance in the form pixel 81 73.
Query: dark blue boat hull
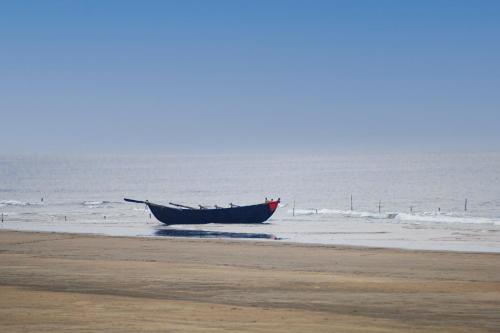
pixel 235 215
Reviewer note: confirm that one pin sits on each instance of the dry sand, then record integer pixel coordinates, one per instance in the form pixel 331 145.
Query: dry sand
pixel 82 283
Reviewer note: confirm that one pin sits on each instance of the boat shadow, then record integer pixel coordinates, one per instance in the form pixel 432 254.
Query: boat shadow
pixel 210 234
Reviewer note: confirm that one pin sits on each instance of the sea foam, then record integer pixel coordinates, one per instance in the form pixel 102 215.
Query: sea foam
pixel 18 203
pixel 431 217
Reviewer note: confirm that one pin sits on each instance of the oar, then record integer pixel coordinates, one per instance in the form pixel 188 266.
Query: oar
pixel 181 206
pixel 136 201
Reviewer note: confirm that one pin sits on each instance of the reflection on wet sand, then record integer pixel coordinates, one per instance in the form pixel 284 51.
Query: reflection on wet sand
pixel 210 234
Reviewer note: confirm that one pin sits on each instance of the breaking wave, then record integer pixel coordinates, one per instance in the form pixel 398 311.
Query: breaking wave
pixel 447 218
pixel 97 203
pixel 345 213
pixel 430 217
pixel 87 203
pixel 94 203
pixel 18 203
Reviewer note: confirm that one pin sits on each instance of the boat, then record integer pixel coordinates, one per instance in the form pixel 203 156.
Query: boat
pixel 181 214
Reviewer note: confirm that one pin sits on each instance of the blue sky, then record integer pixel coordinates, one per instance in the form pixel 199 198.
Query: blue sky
pixel 224 76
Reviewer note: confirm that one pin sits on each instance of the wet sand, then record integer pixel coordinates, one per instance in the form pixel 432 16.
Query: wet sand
pixel 81 283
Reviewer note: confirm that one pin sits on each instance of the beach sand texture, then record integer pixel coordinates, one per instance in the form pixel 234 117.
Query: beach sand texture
pixel 80 283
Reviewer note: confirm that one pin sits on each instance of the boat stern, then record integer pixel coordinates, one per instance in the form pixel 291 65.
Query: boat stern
pixel 273 205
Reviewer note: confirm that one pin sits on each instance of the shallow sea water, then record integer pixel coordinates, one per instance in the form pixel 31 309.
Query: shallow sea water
pixel 422 196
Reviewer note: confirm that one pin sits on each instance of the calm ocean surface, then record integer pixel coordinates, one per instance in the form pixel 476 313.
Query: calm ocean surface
pixel 84 194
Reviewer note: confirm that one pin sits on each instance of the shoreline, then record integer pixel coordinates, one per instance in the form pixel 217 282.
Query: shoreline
pixel 277 241
pixel 81 282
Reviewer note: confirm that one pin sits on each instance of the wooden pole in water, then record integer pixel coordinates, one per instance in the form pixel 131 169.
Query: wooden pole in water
pixel 2 217
pixel 293 209
pixel 465 205
pixel 379 204
pixel 351 202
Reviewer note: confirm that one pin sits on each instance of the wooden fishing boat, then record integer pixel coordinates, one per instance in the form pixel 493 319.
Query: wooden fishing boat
pixel 181 214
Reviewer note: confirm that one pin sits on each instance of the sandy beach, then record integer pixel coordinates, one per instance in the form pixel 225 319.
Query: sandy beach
pixel 66 282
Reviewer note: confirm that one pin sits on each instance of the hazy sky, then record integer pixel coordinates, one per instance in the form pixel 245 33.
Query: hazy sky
pixel 210 76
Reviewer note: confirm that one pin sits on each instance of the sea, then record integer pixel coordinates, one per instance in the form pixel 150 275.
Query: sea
pixel 431 201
